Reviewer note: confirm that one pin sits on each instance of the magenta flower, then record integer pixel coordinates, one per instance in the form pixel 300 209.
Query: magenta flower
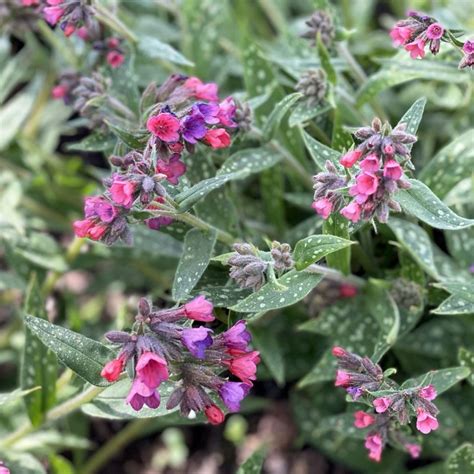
pixel 59 91
pixel 122 191
pixel 351 211
pixel 381 404
pixel 425 422
pixel 113 369
pixel 4 469
pixel 323 207
pixel 193 127
pixel 217 138
pixel 367 183
pixel 151 369
pixel 97 206
pixel 174 168
pixel 370 164
pixel 226 112
pixel 392 170
pixel 140 394
pixel 197 340
pixel 200 90
pixel 428 393
pixel 243 365
pixel 416 48
pixel 349 159
pixel 435 31
pixel 373 442
pixel 232 393
pixel 468 47
pixel 214 415
pixel 90 229
pixel 343 379
pixel 237 336
pixel 53 14
pixel 400 35
pixel 338 351
pixel 199 309
pixel 363 419
pixel 115 59
pixel 413 449
pixel 156 223
pixel 165 126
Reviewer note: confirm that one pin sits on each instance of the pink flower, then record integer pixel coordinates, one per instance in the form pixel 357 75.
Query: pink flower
pixel 113 43
pixel 370 163
pixel 4 469
pixel 392 170
pixel 226 112
pixel 59 92
pixel 140 394
pixel 113 369
pixel 29 3
pixel 468 47
pixel 165 126
pixel 88 228
pixel 174 168
pixel 352 211
pixel 434 31
pixel 338 351
pixel 374 444
pixel 122 192
pixel 68 29
pixel 151 369
pixel 323 207
pixel 53 14
pixel 343 379
pixel 416 49
pixel 217 138
pixel 428 392
pixel 425 422
pixel 389 149
pixel 381 404
pixel 367 183
pixel 115 59
pixel 199 309
pixel 200 90
pixel 400 35
pixel 363 419
pixel 214 415
pixel 243 365
pixel 83 33
pixel 350 158
pixel 347 291
pixel 413 449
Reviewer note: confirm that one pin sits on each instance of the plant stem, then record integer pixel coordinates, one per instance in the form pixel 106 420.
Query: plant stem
pixel 104 16
pixel 132 431
pixel 55 413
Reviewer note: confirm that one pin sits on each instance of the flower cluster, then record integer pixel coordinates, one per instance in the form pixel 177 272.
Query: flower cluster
pixel 416 32
pixel 313 85
pixel 70 15
pixel 320 23
pixel 468 58
pixel 391 407
pixel 382 158
pixel 112 49
pixel 163 345
pixel 186 112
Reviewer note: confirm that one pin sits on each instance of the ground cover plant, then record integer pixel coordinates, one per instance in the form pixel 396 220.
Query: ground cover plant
pixel 236 236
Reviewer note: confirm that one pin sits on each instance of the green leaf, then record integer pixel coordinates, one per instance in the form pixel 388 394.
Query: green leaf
pixel 254 463
pixel 82 355
pixel 320 153
pixel 222 296
pixel 442 379
pixel 111 403
pixel 291 288
pixel 461 245
pixel 326 61
pixel 21 463
pixel 461 300
pixel 39 366
pixel 153 48
pixel 461 461
pixel 303 112
pixel 249 161
pixel 9 280
pixel 316 247
pixel 341 139
pixel 457 157
pixel 337 225
pixel 420 202
pixel 17 394
pixel 270 350
pixel 466 359
pixel 272 190
pixel 412 117
pixel 132 138
pixel 198 247
pixel 416 242
pixel 280 110
pixel 96 141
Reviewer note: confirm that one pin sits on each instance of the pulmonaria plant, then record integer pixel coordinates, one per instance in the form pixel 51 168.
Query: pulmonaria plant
pixel 392 408
pixel 163 347
pixel 376 170
pixel 186 112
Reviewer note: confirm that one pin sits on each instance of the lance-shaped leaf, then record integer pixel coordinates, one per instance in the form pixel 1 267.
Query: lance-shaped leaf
pixel 442 379
pixel 422 203
pixel 303 112
pixel 17 394
pixel 198 247
pixel 461 461
pixel 271 351
pixel 461 300
pixel 97 141
pixel 39 366
pixel 21 463
pixel 320 153
pixel 338 225
pixel 279 112
pixel 82 355
pixel 254 463
pixel 316 247
pixel 155 49
pixel 222 296
pixel 466 359
pixel 326 61
pixel 412 117
pixel 291 288
pixel 131 138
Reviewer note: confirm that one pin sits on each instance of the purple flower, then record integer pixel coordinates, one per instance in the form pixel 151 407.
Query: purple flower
pixel 197 340
pixel 193 127
pixel 354 392
pixel 140 394
pixel 209 112
pixel 232 393
pixel 237 337
pixel 156 223
pixel 97 206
